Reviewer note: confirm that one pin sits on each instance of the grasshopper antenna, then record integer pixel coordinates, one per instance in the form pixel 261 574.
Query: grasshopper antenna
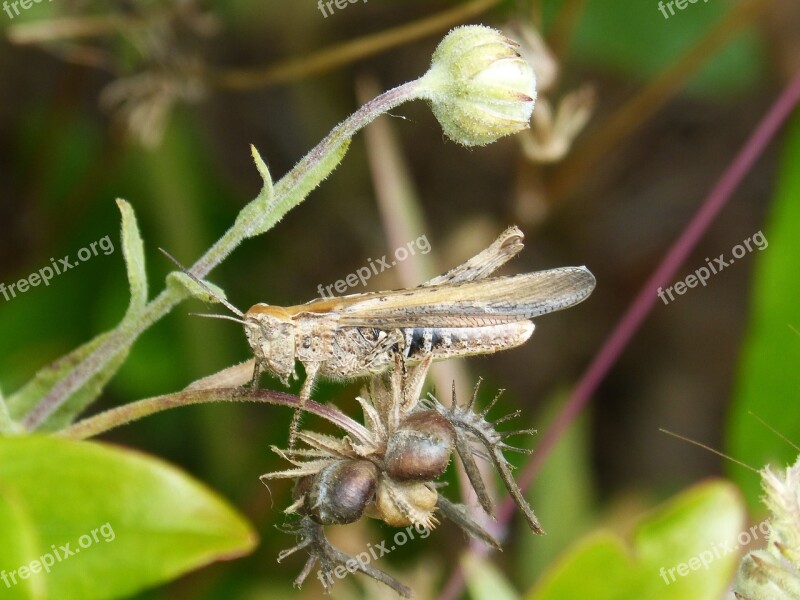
pixel 203 285
pixel 709 448
pixel 773 430
pixel 213 316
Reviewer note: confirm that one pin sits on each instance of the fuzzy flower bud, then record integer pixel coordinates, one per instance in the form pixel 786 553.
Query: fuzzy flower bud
pixel 479 87
pixel 774 572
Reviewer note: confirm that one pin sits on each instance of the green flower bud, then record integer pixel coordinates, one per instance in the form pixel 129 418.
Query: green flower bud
pixel 479 87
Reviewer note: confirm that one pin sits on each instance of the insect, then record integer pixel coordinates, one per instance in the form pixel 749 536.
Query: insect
pixel 389 470
pixel 461 313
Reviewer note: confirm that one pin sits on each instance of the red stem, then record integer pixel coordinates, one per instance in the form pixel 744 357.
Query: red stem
pixel 630 322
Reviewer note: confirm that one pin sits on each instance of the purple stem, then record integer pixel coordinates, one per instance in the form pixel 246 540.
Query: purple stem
pixel 630 322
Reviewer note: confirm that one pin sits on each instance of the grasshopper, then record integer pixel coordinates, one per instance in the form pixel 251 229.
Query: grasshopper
pixel 461 313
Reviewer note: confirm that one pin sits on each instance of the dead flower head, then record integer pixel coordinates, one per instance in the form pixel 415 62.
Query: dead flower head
pixel 390 473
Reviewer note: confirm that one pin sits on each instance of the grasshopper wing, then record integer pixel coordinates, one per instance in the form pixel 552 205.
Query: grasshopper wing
pixel 484 302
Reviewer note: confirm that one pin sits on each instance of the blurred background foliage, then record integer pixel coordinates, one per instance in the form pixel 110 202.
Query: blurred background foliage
pixel 675 98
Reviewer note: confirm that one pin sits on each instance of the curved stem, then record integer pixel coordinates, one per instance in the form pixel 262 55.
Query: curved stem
pixel 285 198
pixel 262 213
pixel 122 415
pixel 119 339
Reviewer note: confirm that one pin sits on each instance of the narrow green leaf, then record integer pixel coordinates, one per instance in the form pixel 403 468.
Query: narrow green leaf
pixel 265 211
pixel 133 251
pixel 768 381
pixel 300 190
pixel 24 399
pixel 263 171
pixel 686 550
pixel 132 521
pixel 182 281
pixel 29 395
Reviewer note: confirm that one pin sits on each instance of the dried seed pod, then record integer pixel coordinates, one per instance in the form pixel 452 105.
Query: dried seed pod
pixel 406 503
pixel 468 426
pixel 302 487
pixel 420 449
pixel 341 491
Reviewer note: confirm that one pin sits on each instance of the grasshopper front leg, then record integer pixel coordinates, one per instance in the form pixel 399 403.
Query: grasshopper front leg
pixel 312 368
pixel 257 371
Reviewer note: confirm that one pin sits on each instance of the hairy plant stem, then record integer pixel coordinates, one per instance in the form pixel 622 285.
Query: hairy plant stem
pixel 258 216
pixel 122 415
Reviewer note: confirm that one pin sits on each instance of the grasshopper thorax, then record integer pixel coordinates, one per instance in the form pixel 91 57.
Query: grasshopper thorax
pixel 270 333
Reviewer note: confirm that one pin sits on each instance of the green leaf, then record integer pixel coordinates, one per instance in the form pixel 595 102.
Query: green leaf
pixel 133 251
pixel 264 212
pixel 24 399
pixel 47 378
pixel 182 281
pixel 485 581
pixel 680 552
pixel 768 381
pixel 267 191
pixel 600 555
pixel 17 546
pixel 132 521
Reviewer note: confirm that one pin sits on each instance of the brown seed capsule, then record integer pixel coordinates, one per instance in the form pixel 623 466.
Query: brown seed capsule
pixel 302 486
pixel 420 448
pixel 341 491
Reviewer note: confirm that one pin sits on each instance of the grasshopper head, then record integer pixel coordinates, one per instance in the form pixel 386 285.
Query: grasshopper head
pixel 270 332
